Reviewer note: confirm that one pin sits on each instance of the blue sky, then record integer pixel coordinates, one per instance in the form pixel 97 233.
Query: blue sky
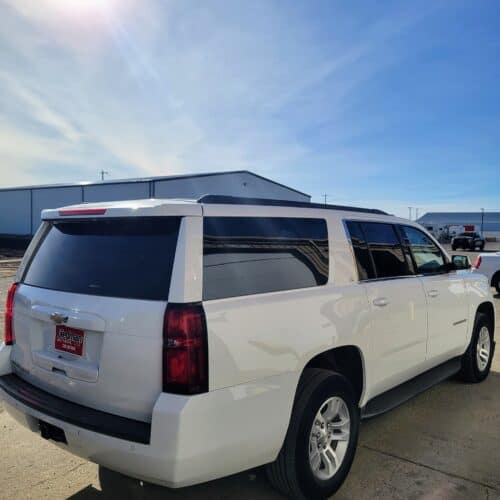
pixel 385 104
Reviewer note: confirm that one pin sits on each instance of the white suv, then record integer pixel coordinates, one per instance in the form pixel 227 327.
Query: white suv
pixel 181 341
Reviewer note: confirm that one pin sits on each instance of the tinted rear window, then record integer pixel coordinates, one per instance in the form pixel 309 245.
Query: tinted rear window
pixel 130 258
pixel 251 255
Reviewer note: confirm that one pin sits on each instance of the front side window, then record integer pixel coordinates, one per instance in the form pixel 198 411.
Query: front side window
pixel 385 249
pixel 251 255
pixel 428 257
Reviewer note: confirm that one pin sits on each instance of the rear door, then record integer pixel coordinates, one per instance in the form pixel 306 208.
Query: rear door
pixel 88 314
pixel 445 294
pixel 397 303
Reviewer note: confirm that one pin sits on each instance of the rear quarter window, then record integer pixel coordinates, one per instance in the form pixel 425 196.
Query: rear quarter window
pixel 129 257
pixel 252 255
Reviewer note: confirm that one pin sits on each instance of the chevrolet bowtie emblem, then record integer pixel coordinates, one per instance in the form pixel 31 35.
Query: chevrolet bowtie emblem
pixel 58 318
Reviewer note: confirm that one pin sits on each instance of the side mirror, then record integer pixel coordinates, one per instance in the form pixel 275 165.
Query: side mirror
pixel 460 262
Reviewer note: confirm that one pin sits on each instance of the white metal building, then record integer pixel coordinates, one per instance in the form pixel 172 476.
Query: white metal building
pixel 20 207
pixel 447 224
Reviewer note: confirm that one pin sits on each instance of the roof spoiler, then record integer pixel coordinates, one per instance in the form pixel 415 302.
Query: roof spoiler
pixel 215 199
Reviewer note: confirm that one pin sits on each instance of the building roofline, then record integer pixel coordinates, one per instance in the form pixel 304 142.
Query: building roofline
pixel 138 180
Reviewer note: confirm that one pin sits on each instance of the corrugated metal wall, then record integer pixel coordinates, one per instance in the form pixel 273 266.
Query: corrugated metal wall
pixel 20 208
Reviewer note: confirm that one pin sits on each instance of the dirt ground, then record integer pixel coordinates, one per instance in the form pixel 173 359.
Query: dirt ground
pixel 443 444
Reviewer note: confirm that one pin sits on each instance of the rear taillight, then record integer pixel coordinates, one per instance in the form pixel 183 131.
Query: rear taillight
pixel 478 262
pixel 9 309
pixel 185 349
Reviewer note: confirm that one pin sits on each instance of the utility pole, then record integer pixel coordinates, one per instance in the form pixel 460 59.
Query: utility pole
pixel 325 196
pixel 103 173
pixel 409 209
pixel 482 222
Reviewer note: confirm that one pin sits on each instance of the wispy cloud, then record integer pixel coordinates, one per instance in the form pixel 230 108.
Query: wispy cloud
pixel 38 109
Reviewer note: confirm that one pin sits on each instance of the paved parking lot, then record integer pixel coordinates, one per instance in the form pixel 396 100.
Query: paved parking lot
pixel 444 443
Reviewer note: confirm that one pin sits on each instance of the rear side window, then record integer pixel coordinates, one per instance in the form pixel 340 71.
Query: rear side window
pixel 251 255
pixel 385 257
pixel 361 253
pixel 428 257
pixel 129 257
pixel 386 250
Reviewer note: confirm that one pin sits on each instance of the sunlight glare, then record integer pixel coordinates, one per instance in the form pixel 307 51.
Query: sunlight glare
pixel 83 7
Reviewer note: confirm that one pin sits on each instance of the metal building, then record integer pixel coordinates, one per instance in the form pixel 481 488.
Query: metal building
pixel 20 207
pixel 444 225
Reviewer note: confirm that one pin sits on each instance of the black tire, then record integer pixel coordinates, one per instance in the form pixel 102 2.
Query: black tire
pixel 453 247
pixel 495 282
pixel 291 473
pixel 481 248
pixel 470 371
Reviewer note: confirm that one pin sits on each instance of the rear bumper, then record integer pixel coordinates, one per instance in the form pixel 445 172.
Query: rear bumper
pixel 191 438
pixel 72 413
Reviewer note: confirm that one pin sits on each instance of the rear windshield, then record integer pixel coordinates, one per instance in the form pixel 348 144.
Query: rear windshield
pixel 130 258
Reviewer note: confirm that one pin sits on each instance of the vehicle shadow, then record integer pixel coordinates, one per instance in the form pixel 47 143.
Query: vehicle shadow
pixel 246 485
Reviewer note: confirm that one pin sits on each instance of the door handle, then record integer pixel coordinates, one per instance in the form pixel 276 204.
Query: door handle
pixel 380 302
pixel 432 293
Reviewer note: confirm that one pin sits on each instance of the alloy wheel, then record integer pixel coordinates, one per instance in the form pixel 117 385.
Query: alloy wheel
pixel 483 348
pixel 329 438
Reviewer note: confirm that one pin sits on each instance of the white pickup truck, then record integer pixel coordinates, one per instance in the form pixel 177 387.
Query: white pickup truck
pixel 489 265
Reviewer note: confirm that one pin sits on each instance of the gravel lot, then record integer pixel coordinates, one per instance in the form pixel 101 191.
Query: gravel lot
pixel 444 443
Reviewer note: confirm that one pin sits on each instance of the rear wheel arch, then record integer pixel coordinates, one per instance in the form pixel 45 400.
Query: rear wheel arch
pixel 348 361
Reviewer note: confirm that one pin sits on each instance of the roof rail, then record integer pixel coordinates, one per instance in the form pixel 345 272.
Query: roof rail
pixel 213 199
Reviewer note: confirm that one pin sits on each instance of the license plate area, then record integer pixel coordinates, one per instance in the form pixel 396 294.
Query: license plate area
pixel 51 432
pixel 69 340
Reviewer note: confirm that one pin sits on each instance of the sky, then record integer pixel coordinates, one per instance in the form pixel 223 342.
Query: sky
pixel 383 104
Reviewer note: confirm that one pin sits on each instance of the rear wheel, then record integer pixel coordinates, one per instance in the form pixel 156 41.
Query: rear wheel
pixel 321 440
pixel 476 362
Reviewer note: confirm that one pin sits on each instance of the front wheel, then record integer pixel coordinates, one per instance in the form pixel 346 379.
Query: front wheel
pixel 476 362
pixel 321 441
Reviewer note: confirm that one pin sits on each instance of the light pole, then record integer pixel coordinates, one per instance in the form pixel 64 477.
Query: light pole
pixel 409 209
pixel 103 173
pixel 482 222
pixel 325 196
